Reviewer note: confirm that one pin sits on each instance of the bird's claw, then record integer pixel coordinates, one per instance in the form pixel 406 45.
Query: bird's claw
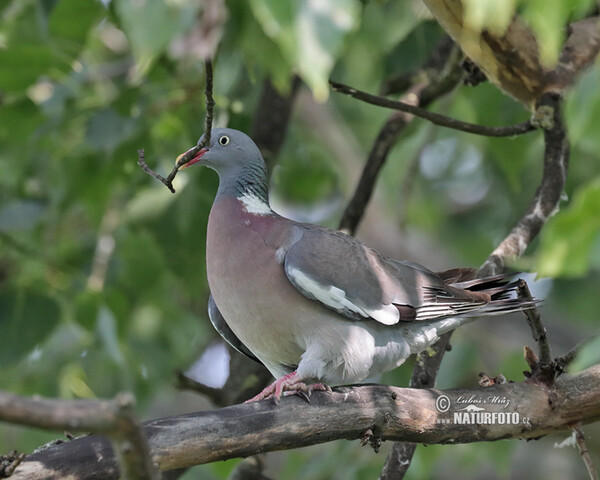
pixel 291 385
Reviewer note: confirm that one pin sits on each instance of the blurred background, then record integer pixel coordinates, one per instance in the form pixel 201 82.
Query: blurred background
pixel 102 269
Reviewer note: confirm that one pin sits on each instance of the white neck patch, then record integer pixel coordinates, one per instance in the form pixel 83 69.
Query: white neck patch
pixel 255 205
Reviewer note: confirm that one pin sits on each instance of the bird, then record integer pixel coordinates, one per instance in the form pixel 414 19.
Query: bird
pixel 316 306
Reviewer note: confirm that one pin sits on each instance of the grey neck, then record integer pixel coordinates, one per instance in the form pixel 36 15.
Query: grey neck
pixel 251 181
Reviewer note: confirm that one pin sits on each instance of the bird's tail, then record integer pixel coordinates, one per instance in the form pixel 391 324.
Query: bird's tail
pixel 464 296
pixel 498 294
pixel 502 291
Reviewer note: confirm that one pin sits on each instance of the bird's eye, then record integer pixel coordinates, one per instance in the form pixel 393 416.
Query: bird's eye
pixel 224 140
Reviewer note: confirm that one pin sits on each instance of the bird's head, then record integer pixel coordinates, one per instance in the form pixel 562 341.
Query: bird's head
pixel 228 150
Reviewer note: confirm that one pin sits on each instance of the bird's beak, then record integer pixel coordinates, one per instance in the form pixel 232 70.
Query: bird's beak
pixel 196 154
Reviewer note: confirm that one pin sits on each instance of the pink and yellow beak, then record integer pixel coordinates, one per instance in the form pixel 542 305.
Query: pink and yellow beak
pixel 196 155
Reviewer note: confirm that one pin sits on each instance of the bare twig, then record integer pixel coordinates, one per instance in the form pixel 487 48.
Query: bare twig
pixel 585 454
pixel 563 361
pixel 114 418
pixel 538 331
pixel 447 75
pixel 186 383
pixel 547 198
pixel 191 153
pixel 384 142
pixel 210 107
pixel 392 413
pixel 399 83
pixel 9 463
pixel 435 118
pixel 142 163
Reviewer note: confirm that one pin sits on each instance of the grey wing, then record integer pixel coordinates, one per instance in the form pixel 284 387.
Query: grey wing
pixel 356 281
pixel 220 324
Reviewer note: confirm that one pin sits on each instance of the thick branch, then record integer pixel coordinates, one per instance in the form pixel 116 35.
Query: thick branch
pixel 114 418
pixel 392 413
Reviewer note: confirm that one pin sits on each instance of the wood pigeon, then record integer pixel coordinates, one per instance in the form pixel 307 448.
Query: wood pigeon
pixel 312 303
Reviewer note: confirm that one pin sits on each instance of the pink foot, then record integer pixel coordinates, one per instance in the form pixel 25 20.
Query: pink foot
pixel 288 383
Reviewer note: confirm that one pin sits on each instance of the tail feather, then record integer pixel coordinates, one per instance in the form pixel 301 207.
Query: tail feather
pixel 494 295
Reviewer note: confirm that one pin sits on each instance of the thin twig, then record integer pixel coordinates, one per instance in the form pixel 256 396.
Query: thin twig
pixel 210 105
pixel 142 163
pixel 562 362
pixel 435 118
pixel 386 139
pixel 191 153
pixel 115 418
pixel 447 75
pixel 548 195
pixel 186 383
pixel 538 331
pixel 585 454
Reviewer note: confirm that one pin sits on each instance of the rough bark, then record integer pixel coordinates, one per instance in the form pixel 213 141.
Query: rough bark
pixel 391 413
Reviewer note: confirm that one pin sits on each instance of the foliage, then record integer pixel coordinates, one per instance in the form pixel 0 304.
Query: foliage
pixel 102 269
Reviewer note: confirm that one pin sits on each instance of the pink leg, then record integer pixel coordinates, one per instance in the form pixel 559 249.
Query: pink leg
pixel 288 383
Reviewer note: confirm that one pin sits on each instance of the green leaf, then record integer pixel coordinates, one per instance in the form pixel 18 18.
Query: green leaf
pixel 309 34
pixel 151 24
pixel 71 20
pixel 567 241
pixel 23 64
pixel 24 118
pixel 26 319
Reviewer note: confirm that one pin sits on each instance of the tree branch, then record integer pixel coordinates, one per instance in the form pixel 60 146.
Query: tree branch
pixel 435 118
pixel 392 413
pixel 424 373
pixel 191 153
pixel 115 418
pixel 441 79
pixel 585 454
pixel 538 331
pixel 547 198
